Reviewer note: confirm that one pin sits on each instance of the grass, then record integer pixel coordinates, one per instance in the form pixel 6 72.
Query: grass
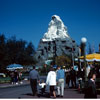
pixel 5 80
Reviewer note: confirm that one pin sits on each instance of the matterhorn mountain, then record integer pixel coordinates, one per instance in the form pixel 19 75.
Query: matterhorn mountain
pixel 56 41
pixel 56 29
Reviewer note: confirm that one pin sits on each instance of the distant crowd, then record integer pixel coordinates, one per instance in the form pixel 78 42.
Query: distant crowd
pixel 60 77
pixel 16 77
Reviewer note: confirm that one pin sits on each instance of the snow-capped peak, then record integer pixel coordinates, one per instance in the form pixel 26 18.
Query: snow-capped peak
pixel 56 29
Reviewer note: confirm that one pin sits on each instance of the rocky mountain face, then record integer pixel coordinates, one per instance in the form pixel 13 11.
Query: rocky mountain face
pixel 56 41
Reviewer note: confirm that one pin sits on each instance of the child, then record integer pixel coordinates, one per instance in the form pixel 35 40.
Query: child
pixel 43 86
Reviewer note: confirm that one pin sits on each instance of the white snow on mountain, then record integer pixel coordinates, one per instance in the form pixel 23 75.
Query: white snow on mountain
pixel 56 29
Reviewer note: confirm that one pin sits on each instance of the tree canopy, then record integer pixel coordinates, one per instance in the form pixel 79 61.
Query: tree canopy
pixel 63 61
pixel 15 51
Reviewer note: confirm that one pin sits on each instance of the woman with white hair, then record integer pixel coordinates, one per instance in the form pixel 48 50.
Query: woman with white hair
pixel 51 81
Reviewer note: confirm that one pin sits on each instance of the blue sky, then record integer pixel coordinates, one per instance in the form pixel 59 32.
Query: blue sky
pixel 28 19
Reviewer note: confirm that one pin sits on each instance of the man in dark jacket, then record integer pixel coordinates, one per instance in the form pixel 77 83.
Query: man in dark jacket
pixel 34 77
pixel 73 77
pixel 90 90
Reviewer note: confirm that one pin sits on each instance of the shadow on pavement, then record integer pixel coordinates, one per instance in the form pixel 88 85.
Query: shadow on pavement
pixel 45 95
pixel 28 94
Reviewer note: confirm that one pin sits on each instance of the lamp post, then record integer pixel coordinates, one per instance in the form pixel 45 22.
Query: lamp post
pixel 73 55
pixel 79 52
pixel 83 41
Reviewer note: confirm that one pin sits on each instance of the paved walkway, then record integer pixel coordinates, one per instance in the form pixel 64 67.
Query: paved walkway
pixel 24 91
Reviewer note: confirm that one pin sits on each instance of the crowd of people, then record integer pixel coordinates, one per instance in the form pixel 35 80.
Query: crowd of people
pixel 59 78
pixel 16 77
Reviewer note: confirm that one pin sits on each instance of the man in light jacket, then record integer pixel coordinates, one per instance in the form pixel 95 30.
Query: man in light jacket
pixel 60 81
pixel 51 81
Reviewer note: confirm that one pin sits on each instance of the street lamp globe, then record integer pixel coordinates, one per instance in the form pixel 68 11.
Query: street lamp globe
pixel 83 40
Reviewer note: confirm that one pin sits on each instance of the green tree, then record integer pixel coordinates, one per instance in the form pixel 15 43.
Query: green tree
pixel 63 60
pixel 2 51
pixel 15 51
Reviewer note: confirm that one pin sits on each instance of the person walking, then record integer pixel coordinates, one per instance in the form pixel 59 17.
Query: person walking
pixel 90 90
pixel 60 81
pixel 88 68
pixel 80 79
pixel 20 77
pixel 34 77
pixel 43 87
pixel 73 77
pixel 16 77
pixel 12 77
pixel 67 78
pixel 51 81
